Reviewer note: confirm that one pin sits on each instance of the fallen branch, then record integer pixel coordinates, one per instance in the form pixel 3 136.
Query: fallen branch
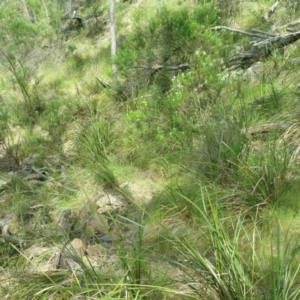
pixel 253 33
pixel 295 22
pixel 261 50
pixel 293 30
pixel 6 236
pixel 46 177
pixel 271 11
pixel 266 128
pixel 12 240
pixel 263 33
pixel 184 66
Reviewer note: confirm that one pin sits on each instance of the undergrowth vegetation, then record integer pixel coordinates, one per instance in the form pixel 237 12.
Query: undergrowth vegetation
pixel 221 146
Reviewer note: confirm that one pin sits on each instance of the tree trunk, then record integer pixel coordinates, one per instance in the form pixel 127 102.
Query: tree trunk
pixel 68 8
pixel 113 41
pixel 25 10
pixel 46 10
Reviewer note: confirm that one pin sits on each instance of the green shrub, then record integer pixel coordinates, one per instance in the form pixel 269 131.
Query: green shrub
pixel 54 120
pixel 169 39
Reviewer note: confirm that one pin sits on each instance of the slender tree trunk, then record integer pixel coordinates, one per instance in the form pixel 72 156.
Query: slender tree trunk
pixel 113 41
pixel 46 10
pixel 68 7
pixel 25 10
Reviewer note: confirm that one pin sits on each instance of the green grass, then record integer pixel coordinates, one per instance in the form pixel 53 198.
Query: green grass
pixel 226 258
pixel 221 218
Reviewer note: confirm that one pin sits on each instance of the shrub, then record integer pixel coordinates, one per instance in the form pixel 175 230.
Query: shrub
pixel 54 120
pixel 168 39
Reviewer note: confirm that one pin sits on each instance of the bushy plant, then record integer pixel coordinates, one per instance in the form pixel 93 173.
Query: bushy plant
pixel 168 39
pixel 54 120
pixel 94 146
pixel 161 122
pixel 20 38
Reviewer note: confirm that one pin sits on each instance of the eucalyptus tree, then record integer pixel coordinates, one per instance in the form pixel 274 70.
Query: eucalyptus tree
pixel 113 40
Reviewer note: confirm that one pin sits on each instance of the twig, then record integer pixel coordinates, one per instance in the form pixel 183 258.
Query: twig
pixel 36 206
pixel 183 66
pixel 46 177
pixel 104 84
pixel 295 22
pixel 59 253
pixel 64 219
pixel 63 224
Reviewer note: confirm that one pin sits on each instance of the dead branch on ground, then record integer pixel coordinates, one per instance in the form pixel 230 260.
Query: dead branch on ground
pixel 259 50
pixel 181 67
pixel 8 238
pixel 266 128
pixel 271 11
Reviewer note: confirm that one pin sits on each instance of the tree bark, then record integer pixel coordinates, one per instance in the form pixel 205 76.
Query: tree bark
pixel 46 10
pixel 68 8
pixel 25 10
pixel 113 41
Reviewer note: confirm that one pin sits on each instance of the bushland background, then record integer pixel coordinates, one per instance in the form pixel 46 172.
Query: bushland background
pixel 148 153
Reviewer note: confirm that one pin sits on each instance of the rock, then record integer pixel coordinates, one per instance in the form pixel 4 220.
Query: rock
pixel 76 248
pixel 91 261
pixel 73 265
pixel 95 224
pixel 3 183
pixel 110 238
pixel 107 203
pixel 7 219
pixel 12 223
pixel 96 250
